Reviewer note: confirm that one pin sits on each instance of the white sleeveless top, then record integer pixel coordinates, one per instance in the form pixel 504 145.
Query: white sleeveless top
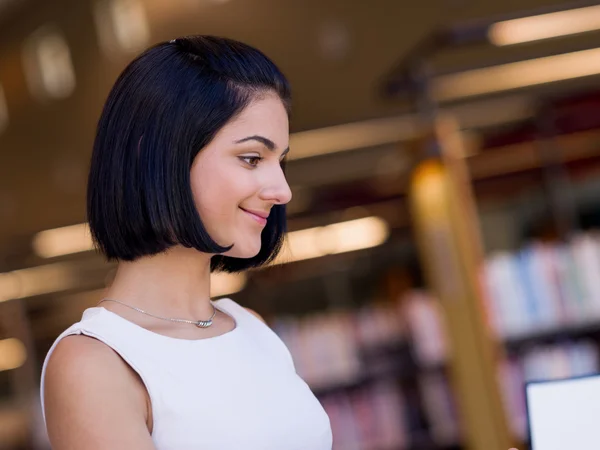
pixel 235 391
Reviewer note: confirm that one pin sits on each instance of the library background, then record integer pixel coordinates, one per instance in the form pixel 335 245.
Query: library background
pixel 444 243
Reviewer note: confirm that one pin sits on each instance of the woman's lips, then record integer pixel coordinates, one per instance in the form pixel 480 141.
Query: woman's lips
pixel 257 216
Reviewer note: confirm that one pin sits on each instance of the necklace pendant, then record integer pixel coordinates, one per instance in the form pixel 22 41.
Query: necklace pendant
pixel 204 323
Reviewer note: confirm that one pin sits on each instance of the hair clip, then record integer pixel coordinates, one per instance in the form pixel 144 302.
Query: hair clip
pixel 172 41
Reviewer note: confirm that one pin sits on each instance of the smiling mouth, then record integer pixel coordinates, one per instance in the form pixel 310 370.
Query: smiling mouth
pixel 259 219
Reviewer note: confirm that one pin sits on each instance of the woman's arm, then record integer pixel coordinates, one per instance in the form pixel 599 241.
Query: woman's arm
pixel 93 399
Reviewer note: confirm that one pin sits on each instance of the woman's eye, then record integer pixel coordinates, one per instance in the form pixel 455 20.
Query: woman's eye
pixel 251 160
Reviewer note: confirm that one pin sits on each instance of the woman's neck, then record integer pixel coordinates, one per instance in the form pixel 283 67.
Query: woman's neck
pixel 171 284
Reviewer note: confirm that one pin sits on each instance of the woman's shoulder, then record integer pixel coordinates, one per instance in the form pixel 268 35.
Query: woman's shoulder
pixel 257 315
pixel 233 307
pixel 85 377
pixel 80 350
pixel 83 360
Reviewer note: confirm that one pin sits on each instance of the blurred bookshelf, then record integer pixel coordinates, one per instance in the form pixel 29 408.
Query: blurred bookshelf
pixel 383 386
pixel 380 368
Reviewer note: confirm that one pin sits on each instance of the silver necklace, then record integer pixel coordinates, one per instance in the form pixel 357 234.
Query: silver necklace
pixel 198 323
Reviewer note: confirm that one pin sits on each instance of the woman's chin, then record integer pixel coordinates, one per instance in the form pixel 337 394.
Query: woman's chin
pixel 243 251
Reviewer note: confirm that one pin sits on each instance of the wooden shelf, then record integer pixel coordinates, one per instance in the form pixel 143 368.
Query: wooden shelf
pixel 567 332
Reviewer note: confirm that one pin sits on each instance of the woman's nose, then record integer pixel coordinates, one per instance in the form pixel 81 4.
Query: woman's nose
pixel 278 192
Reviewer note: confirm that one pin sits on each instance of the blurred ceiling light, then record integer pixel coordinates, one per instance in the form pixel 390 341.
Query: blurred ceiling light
pixel 517 75
pixel 388 130
pixel 350 136
pixel 226 283
pixel 3 111
pixel 9 286
pixel 302 244
pixel 332 239
pixel 354 235
pixel 36 281
pixel 63 241
pixel 121 25
pixel 12 354
pixel 48 66
pixel 545 26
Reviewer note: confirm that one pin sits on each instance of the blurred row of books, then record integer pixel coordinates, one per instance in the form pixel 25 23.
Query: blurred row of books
pixel 544 286
pixel 335 346
pixel 368 365
pixel 329 348
pixel 372 417
pixel 378 372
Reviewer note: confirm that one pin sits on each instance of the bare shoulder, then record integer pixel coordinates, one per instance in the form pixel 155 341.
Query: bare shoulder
pixel 251 311
pixel 92 398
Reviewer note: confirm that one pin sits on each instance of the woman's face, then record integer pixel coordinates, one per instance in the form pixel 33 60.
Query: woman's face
pixel 237 178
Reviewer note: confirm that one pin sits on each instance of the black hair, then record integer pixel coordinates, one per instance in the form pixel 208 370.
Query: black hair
pixel 166 106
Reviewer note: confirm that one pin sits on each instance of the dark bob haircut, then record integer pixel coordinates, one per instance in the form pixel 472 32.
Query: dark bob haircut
pixel 166 106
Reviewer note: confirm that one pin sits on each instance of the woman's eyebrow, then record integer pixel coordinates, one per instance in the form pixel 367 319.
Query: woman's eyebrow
pixel 263 140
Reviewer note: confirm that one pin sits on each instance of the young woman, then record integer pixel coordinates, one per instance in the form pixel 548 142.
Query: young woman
pixel 186 177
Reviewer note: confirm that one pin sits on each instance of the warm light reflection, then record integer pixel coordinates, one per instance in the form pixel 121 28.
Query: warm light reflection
pixel 36 281
pixel 12 354
pixel 355 234
pixel 517 75
pixel 300 245
pixel 430 189
pixel 332 239
pixel 48 65
pixel 63 241
pixel 350 136
pixel 545 26
pixel 121 25
pixel 9 286
pixel 303 244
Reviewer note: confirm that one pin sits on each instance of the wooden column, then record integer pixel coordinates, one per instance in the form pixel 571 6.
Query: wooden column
pixel 446 227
